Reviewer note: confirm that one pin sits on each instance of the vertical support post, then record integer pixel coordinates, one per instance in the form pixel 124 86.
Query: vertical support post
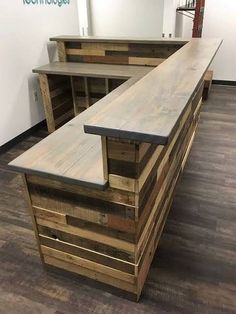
pixel 61 51
pixel 87 94
pixel 74 96
pixel 28 199
pixel 198 18
pixel 107 90
pixel 104 157
pixel 47 103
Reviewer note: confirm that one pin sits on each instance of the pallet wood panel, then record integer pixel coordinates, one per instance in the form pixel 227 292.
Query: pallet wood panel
pixel 87 245
pixel 88 254
pixel 122 253
pixel 86 264
pixel 96 240
pixel 57 100
pixel 90 274
pixel 148 54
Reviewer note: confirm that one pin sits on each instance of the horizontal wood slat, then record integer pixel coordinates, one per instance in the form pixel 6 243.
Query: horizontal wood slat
pixel 120 53
pixel 85 253
pixel 81 52
pixel 120 244
pixel 145 61
pixel 85 263
pixel 90 274
pixel 87 244
pixel 104 46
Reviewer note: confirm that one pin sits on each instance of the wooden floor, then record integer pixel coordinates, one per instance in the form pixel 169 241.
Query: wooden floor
pixel 194 269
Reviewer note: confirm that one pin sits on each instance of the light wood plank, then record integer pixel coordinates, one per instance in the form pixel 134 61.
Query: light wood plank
pixel 85 263
pixel 145 61
pixel 120 244
pixel 90 274
pixel 61 51
pixel 85 52
pixel 43 81
pixel 105 46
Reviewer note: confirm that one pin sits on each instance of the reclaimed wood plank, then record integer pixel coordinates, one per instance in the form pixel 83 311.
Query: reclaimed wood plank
pixel 85 263
pixel 44 86
pixel 83 252
pixel 61 51
pixel 145 61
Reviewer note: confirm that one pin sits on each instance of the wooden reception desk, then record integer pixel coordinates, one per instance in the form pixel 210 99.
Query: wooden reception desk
pixel 101 186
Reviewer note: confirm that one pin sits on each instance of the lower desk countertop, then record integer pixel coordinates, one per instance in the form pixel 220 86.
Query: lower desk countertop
pixel 112 71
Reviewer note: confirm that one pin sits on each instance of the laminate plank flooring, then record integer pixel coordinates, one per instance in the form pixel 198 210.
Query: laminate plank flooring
pixel 194 268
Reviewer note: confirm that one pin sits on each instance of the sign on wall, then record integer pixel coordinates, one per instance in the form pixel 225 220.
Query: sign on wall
pixel 46 2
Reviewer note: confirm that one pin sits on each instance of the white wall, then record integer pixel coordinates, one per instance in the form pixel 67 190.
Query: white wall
pixel 187 26
pixel 24 33
pixel 137 18
pixel 84 17
pixel 169 17
pixel 184 24
pixel 220 21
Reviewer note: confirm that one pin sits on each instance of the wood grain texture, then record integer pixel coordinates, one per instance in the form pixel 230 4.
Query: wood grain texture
pixel 93 70
pixel 61 51
pixel 149 51
pixel 207 84
pixel 61 98
pixel 88 52
pixel 94 46
pixel 116 53
pixel 47 102
pixel 145 61
pixel 88 254
pixel 152 114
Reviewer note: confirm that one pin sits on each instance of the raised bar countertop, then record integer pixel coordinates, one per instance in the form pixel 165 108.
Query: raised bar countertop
pixel 145 109
pixel 149 111
pixel 93 70
pixel 147 40
pixel 69 154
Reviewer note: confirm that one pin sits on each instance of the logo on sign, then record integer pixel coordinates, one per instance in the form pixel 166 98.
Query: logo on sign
pixel 46 2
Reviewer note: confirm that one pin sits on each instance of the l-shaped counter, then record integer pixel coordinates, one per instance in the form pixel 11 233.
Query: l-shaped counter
pixel 100 187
